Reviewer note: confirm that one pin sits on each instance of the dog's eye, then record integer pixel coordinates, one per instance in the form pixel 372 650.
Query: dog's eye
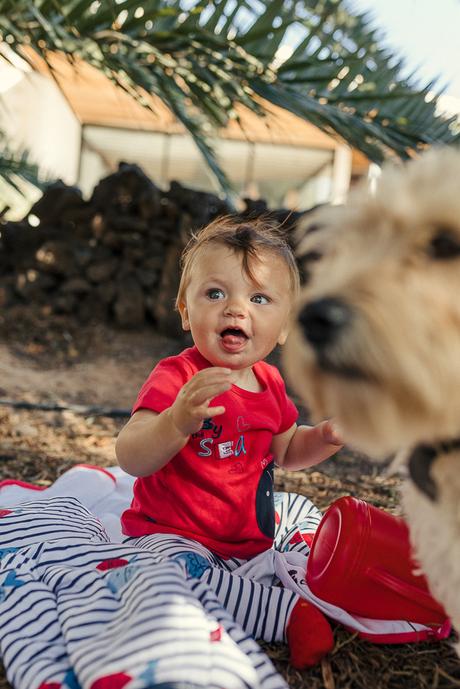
pixel 310 256
pixel 304 262
pixel 444 245
pixel 314 227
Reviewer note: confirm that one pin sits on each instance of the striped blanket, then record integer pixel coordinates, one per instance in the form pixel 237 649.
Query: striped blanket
pixel 77 610
pixel 81 610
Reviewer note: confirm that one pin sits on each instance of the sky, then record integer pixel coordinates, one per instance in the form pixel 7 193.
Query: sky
pixel 425 32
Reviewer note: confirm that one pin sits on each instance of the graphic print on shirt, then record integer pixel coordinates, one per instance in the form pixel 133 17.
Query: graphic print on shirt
pixel 204 440
pixel 265 505
pixel 208 442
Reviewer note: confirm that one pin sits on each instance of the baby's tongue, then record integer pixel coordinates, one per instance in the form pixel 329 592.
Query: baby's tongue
pixel 233 337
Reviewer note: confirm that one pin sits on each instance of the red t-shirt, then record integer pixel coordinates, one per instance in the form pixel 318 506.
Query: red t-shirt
pixel 218 489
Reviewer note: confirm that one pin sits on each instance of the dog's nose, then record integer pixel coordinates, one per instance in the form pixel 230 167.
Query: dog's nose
pixel 322 320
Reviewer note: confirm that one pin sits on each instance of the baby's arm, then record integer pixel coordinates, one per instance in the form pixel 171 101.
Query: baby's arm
pixel 150 440
pixel 305 446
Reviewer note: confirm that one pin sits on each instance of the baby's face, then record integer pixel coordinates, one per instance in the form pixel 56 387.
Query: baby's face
pixel 234 320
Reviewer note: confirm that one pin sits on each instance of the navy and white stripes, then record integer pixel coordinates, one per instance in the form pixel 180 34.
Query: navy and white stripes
pixel 250 591
pixel 78 611
pixel 81 612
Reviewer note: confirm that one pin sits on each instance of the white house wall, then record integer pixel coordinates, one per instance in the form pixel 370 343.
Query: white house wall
pixel 266 170
pixel 36 117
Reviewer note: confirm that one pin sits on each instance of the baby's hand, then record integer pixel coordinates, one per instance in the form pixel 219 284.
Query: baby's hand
pixel 191 406
pixel 330 433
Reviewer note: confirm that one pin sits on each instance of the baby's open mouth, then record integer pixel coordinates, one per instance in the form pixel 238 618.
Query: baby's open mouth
pixel 233 336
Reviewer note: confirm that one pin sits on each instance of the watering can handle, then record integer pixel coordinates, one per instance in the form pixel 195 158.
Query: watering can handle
pixel 403 588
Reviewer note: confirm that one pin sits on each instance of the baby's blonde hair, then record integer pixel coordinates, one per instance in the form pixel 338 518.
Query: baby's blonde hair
pixel 244 237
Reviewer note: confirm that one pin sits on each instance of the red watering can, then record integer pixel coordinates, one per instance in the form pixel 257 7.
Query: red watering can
pixel 361 561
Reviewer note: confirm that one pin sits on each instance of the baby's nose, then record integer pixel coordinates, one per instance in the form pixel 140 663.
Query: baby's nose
pixel 236 307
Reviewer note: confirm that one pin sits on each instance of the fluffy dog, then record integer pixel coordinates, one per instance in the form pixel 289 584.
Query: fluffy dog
pixel 376 342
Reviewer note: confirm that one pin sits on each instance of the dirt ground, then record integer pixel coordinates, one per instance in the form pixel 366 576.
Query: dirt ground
pixel 55 363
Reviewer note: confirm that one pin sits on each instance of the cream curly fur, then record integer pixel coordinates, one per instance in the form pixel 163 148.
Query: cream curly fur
pixel 390 375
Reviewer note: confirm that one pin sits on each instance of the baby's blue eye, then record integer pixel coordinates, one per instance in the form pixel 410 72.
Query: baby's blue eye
pixel 260 299
pixel 214 293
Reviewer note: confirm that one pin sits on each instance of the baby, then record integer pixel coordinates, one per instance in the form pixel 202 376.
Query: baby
pixel 209 425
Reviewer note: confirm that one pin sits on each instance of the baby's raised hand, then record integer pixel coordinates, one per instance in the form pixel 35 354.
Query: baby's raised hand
pixel 192 404
pixel 330 433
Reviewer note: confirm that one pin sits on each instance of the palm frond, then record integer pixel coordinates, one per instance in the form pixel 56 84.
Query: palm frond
pixel 201 57
pixel 15 167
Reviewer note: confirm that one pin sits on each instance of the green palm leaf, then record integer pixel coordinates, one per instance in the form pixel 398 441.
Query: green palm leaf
pixel 14 170
pixel 202 57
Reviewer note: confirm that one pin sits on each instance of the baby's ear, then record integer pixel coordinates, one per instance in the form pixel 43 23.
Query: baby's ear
pixel 283 334
pixel 182 306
